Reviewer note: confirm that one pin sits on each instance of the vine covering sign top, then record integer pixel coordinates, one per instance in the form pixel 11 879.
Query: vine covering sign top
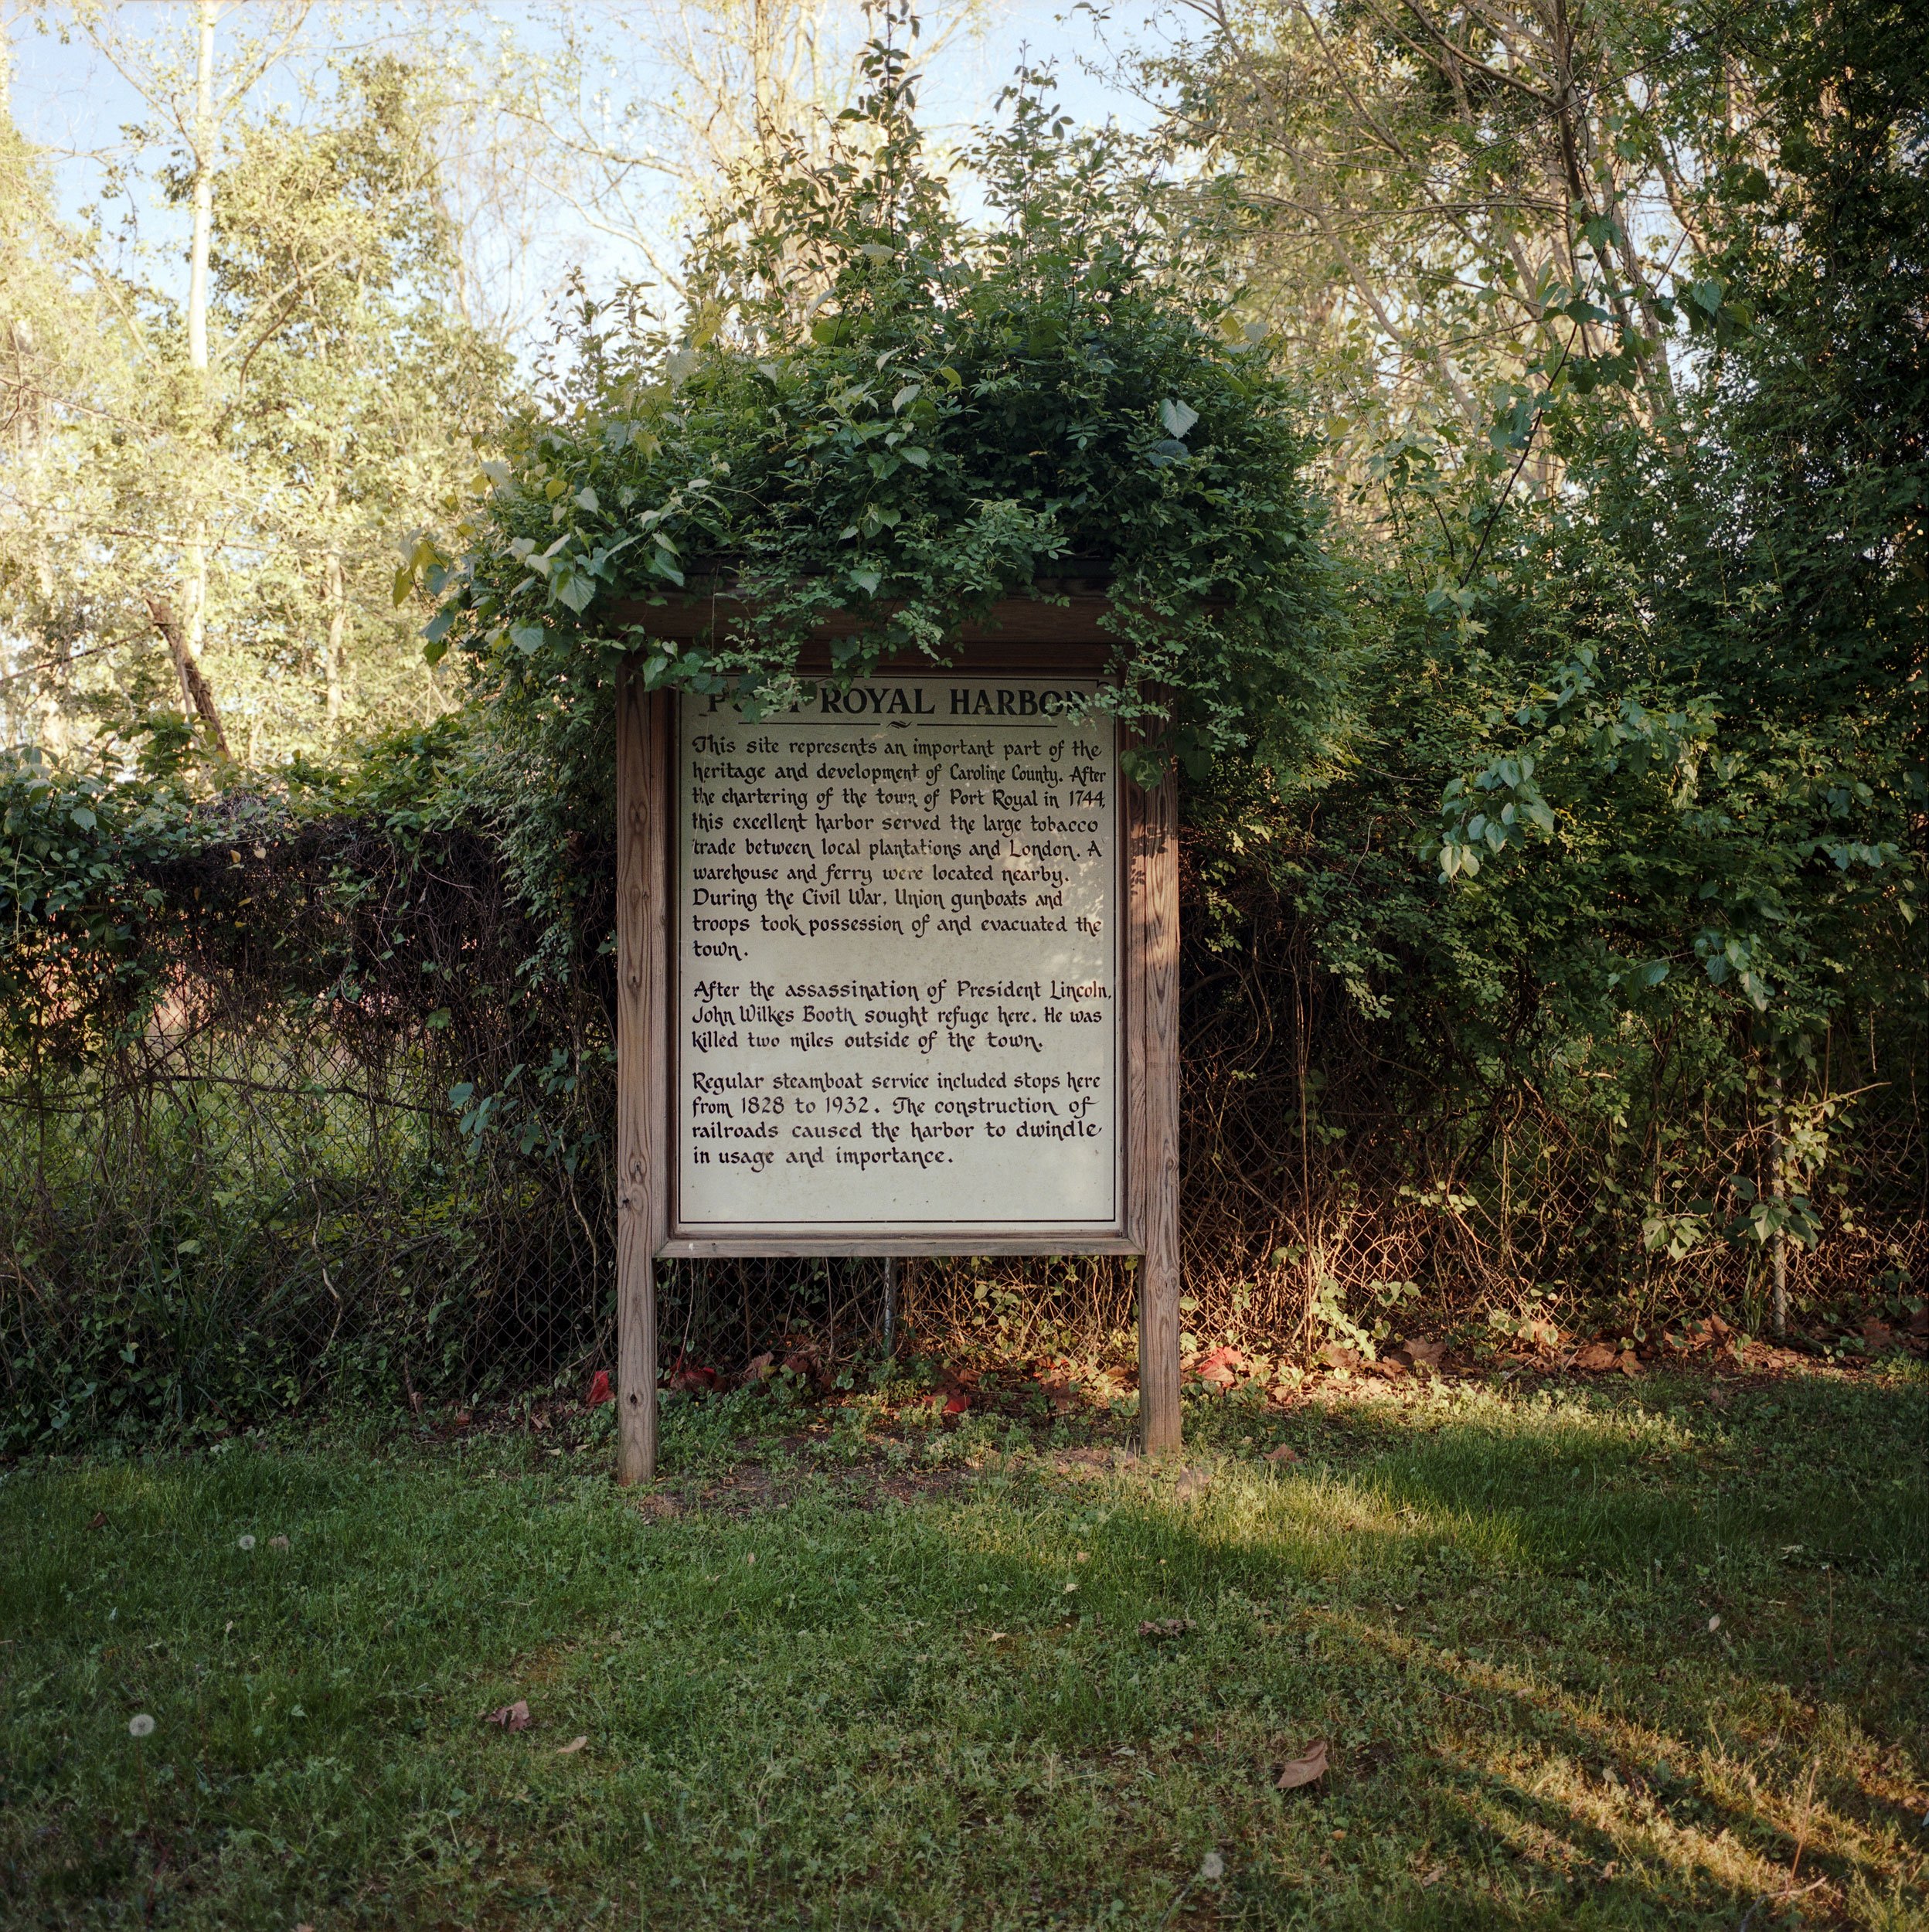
pixel 897 1004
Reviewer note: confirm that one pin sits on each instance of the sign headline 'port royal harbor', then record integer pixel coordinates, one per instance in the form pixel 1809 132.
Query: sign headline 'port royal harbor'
pixel 897 995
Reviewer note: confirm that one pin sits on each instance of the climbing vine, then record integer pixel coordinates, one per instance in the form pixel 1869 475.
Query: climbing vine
pixel 879 410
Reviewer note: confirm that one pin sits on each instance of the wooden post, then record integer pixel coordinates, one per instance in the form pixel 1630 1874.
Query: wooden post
pixel 1154 873
pixel 642 966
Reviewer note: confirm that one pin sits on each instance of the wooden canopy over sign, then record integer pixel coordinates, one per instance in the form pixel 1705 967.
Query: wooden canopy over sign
pixel 892 982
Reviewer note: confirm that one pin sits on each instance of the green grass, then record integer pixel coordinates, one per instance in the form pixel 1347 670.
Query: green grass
pixel 825 1683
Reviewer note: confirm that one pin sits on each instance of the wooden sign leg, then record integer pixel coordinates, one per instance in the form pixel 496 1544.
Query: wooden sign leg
pixel 1156 912
pixel 642 1198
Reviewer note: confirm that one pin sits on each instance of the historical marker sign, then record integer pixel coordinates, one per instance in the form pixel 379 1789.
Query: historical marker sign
pixel 898 974
pixel 898 999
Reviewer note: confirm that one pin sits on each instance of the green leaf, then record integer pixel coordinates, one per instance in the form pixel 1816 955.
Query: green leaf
pixel 527 637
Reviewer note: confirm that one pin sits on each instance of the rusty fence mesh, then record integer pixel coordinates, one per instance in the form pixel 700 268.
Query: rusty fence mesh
pixel 261 1200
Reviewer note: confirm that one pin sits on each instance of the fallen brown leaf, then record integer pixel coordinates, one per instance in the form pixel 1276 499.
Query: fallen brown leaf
pixel 1157 1626
pixel 1303 1770
pixel 574 1745
pixel 512 1717
pixel 1425 1354
pixel 1596 1358
pixel 278 1542
pixel 98 1520
pixel 1284 1453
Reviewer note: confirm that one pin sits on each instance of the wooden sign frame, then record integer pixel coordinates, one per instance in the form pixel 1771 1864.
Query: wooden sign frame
pixel 1030 637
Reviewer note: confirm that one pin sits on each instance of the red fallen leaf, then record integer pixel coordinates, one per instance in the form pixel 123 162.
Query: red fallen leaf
pixel 599 1390
pixel 759 1368
pixel 957 1404
pixel 463 1419
pixel 1228 1359
pixel 1303 1770
pixel 511 1717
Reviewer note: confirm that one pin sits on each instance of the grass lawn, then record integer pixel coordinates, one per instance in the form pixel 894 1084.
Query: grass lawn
pixel 828 1681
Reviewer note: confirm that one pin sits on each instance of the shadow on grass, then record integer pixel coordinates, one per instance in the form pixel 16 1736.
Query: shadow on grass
pixel 943 1712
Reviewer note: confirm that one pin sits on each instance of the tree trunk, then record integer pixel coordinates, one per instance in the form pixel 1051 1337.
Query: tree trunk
pixel 203 188
pixel 1778 1240
pixel 198 699
pixel 194 588
pixel 334 590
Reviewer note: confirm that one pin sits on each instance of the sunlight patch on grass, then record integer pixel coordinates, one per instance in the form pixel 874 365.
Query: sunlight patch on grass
pixel 808 1699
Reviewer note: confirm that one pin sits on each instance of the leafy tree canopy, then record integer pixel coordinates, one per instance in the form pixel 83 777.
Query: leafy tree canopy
pixel 879 409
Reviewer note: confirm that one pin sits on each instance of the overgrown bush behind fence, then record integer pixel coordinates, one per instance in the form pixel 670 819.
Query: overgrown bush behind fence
pixel 275 1167
pixel 357 1148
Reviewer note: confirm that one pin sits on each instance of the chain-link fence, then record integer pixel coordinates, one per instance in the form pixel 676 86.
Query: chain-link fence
pixel 392 1180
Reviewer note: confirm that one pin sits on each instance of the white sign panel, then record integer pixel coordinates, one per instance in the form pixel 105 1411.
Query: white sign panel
pixel 898 993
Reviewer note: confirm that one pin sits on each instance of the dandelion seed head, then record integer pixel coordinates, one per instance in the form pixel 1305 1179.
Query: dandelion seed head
pixel 245 1542
pixel 139 1725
